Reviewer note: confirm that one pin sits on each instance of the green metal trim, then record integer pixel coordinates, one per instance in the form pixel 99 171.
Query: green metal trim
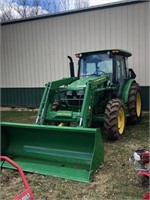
pixel 31 97
pixel 21 97
pixel 145 92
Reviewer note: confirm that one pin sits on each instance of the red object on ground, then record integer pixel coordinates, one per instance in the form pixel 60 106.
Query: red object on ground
pixel 142 157
pixel 144 173
pixel 145 157
pixel 147 196
pixel 27 194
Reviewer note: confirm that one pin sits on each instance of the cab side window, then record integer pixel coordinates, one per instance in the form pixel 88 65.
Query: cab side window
pixel 121 73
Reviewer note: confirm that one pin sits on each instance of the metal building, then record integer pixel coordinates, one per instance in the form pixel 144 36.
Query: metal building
pixel 34 50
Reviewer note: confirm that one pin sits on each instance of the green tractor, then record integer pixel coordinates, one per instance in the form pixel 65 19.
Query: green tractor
pixel 65 140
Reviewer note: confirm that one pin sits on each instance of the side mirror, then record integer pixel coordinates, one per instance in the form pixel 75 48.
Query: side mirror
pixel 131 73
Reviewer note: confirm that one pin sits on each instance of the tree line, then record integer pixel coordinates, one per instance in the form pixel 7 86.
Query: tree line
pixel 14 9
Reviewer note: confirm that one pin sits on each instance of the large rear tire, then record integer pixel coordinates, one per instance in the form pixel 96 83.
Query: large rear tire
pixel 135 104
pixel 114 119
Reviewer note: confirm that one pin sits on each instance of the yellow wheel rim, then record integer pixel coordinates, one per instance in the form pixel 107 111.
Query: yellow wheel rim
pixel 121 120
pixel 138 104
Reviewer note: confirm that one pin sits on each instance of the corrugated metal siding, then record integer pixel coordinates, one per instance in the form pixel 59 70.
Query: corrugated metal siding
pixel 35 52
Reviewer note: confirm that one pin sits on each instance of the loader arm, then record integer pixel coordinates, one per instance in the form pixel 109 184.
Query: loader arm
pixel 93 86
pixel 48 93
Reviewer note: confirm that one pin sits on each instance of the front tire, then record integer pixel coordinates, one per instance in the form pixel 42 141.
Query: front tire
pixel 114 119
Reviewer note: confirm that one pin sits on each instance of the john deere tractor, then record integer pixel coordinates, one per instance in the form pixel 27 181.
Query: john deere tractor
pixel 65 140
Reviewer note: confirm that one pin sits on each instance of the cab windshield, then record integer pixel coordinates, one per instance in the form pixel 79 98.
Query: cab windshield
pixel 96 65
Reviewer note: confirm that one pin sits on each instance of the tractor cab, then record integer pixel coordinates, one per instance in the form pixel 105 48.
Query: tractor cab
pixel 112 63
pixel 107 68
pixel 95 65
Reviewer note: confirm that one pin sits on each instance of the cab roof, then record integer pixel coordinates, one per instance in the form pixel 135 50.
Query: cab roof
pixel 112 51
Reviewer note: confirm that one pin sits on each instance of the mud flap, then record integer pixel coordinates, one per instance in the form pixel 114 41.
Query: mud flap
pixel 66 152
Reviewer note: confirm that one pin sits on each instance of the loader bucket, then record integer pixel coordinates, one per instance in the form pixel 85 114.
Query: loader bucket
pixel 66 152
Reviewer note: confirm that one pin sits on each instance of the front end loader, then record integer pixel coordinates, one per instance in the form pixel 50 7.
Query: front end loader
pixel 66 140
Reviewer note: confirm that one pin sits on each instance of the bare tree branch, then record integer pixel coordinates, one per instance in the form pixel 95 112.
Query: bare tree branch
pixel 64 4
pixel 26 8
pixel 81 4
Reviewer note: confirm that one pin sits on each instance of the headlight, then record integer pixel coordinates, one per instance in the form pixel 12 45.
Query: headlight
pixel 80 92
pixel 69 93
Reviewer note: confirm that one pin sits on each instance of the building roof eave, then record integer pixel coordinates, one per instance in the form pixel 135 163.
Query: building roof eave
pixel 91 8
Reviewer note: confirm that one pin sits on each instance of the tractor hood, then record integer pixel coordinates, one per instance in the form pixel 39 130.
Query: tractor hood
pixel 82 82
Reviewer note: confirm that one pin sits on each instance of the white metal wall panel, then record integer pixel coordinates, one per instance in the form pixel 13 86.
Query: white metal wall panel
pixel 35 52
pixel 147 35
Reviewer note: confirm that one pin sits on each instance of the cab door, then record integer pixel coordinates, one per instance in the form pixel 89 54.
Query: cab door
pixel 121 72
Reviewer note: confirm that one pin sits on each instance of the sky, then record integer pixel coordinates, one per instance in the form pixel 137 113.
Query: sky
pixel 96 2
pixel 43 11
pixel 92 2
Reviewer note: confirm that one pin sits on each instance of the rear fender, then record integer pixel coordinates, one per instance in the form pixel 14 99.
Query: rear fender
pixel 126 89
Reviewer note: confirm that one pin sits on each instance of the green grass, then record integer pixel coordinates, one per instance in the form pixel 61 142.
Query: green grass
pixel 19 116
pixel 115 180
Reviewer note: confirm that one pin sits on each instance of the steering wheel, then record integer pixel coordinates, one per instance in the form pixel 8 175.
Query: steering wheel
pixel 100 71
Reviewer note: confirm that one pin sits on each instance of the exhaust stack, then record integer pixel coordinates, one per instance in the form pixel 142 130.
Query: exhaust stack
pixel 71 66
